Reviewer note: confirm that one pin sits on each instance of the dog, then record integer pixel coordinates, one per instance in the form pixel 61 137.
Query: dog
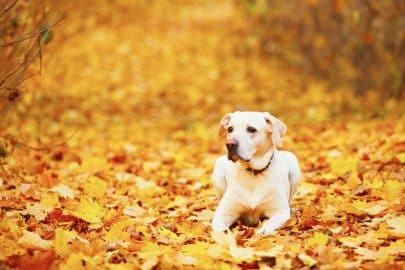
pixel 254 180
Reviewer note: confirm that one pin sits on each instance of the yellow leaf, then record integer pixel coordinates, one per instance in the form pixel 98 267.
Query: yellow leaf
pixel 121 266
pixel 77 261
pixel 118 231
pixel 171 235
pixel 88 211
pixel 353 181
pixel 151 248
pixel 396 247
pixel 228 241
pixel 367 254
pixel 196 250
pixel 283 263
pixel 274 251
pixel 95 187
pixel 383 253
pixel 93 163
pixel 370 208
pixel 329 213
pixel 318 239
pixel 376 209
pixel 401 157
pixel 149 263
pixel 304 189
pixel 50 200
pixel 307 260
pixel 62 238
pixel 8 248
pixel 340 166
pixel 351 241
pixel 392 190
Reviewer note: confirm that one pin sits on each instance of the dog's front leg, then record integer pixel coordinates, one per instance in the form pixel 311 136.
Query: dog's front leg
pixel 226 213
pixel 276 219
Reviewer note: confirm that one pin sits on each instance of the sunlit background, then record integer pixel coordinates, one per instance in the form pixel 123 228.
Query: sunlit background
pixel 189 61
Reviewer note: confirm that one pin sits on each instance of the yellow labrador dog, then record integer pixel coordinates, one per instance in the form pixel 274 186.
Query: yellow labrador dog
pixel 254 180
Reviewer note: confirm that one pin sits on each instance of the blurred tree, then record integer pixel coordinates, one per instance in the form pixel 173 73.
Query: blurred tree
pixel 25 27
pixel 356 43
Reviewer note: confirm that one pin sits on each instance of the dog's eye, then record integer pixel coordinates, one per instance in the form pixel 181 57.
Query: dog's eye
pixel 251 129
pixel 230 129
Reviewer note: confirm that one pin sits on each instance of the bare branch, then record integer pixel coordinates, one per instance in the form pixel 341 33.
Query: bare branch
pixel 11 140
pixel 8 8
pixel 34 34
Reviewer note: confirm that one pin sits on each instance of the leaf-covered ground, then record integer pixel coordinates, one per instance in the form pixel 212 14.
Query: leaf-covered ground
pixel 142 87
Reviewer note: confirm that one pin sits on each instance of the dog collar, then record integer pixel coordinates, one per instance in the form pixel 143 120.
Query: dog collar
pixel 255 172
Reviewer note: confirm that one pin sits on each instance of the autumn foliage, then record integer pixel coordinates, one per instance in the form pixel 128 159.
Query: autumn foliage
pixel 131 93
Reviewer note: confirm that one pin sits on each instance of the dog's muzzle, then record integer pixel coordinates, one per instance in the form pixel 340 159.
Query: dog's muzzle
pixel 232 147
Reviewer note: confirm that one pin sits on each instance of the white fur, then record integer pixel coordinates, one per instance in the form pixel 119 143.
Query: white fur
pixel 248 196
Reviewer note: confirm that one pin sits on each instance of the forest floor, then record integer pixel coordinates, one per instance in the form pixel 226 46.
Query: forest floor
pixel 142 89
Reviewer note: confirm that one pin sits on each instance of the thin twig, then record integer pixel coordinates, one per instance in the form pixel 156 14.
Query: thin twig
pixel 40 55
pixel 8 8
pixel 34 34
pixel 38 148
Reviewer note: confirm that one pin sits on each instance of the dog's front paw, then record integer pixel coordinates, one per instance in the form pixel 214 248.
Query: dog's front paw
pixel 267 228
pixel 218 225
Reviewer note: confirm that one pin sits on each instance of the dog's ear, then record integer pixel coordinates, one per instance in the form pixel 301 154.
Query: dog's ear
pixel 223 123
pixel 276 128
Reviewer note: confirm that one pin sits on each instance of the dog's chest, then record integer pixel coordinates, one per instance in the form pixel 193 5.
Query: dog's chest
pixel 253 194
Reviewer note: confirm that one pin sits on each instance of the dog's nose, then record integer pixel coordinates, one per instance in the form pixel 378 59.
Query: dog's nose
pixel 232 145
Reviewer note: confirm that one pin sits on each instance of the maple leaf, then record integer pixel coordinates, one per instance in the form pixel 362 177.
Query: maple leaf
pixel 228 241
pixel 392 190
pixel 398 226
pixel 64 191
pixel 341 166
pixel 34 240
pixel 133 211
pixel 38 210
pixel 62 239
pixel 117 232
pixel 318 239
pixel 121 266
pixel 88 210
pixel 77 261
pixel 9 247
pixel 95 187
pixel 50 200
pixel 370 208
pixel 383 253
pixel 307 260
pixel 352 241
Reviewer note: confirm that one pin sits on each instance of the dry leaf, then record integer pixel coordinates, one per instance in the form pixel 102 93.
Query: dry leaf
pixel 34 240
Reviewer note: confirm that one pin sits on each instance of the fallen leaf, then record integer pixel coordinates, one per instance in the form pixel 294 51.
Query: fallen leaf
pixel 89 211
pixel 307 260
pixel 317 239
pixel 39 211
pixel 64 191
pixel 397 225
pixel 34 240
pixel 133 211
pixel 62 239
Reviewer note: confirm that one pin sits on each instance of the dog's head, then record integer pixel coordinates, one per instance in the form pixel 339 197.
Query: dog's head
pixel 251 134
